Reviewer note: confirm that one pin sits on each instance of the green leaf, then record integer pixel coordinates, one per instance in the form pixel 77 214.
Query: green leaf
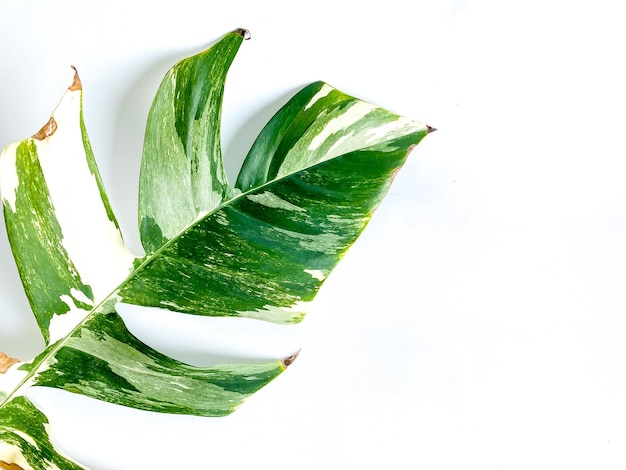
pixel 182 171
pixel 103 360
pixel 265 253
pixel 260 249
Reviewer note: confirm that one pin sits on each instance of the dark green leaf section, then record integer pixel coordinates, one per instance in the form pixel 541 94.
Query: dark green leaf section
pixel 103 360
pixel 317 124
pixel 282 132
pixel 36 240
pixel 24 426
pixel 266 253
pixel 182 172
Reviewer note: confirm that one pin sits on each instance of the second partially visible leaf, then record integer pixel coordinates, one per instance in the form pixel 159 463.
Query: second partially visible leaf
pixel 64 236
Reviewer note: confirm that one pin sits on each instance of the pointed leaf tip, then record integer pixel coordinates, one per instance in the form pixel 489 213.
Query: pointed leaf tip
pixel 76 84
pixel 429 129
pixel 287 361
pixel 244 33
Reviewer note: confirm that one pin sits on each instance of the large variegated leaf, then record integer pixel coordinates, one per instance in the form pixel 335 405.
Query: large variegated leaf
pixel 260 249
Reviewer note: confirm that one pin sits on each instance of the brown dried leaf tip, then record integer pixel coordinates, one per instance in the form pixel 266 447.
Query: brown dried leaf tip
pixel 6 362
pixel 47 130
pixel 76 84
pixel 9 466
pixel 244 33
pixel 287 361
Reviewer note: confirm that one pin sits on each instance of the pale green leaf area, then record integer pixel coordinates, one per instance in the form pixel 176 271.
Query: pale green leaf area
pixel 259 249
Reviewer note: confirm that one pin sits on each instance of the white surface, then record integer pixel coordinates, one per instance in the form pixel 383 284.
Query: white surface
pixel 480 323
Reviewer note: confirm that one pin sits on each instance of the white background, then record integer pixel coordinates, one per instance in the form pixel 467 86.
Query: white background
pixel 479 323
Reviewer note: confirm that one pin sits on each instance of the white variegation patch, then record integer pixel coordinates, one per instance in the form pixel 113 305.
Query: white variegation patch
pixel 337 219
pixel 366 137
pixel 221 219
pixel 337 125
pixel 13 454
pixel 270 199
pixel 92 241
pixel 60 325
pixel 78 295
pixel 316 274
pixel 391 130
pixel 169 303
pixel 327 243
pixel 324 91
pixel 334 150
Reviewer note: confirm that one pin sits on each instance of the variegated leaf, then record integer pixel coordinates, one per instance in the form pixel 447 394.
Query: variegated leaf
pixel 182 172
pixel 261 249
pixel 64 236
pixel 265 253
